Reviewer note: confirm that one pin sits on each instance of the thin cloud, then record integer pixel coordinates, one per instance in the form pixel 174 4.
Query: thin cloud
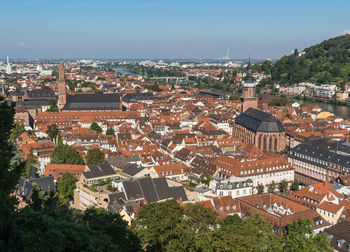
pixel 346 31
pixel 21 44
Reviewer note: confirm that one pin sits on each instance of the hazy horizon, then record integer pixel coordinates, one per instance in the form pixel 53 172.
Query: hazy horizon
pixel 167 29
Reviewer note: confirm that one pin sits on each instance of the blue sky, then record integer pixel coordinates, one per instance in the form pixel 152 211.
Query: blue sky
pixel 167 29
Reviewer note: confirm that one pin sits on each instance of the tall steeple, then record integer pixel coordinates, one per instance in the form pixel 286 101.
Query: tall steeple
pixel 62 94
pixel 249 99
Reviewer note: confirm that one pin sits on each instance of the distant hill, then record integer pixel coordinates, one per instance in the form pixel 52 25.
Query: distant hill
pixel 327 62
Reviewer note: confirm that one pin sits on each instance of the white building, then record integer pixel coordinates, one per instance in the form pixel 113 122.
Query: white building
pixel 325 90
pixel 8 69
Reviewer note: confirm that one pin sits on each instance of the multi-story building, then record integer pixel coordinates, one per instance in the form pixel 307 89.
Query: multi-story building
pixel 325 91
pixel 262 171
pixel 314 164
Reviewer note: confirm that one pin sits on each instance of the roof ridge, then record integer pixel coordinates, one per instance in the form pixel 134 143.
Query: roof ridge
pixel 143 195
pixel 155 189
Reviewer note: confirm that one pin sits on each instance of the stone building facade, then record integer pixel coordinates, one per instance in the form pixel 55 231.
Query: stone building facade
pixel 261 129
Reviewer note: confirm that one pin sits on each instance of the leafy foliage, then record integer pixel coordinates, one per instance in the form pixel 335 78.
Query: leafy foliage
pixel 45 225
pixel 301 237
pixel 272 187
pixel 52 131
pixel 252 234
pixel 322 63
pixel 66 187
pixel 95 127
pixel 110 131
pixel 154 72
pixel 31 163
pixel 167 226
pixel 17 130
pixel 66 154
pixel 283 186
pixel 95 156
pixel 260 188
pixel 53 106
pixel 282 101
pixel 295 185
pixel 10 170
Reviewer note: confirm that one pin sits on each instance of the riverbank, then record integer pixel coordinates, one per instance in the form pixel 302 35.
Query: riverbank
pixel 338 110
pixel 318 100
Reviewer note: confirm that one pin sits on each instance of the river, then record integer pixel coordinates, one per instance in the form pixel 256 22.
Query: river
pixel 124 72
pixel 338 110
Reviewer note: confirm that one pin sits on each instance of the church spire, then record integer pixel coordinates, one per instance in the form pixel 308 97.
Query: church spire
pixel 249 77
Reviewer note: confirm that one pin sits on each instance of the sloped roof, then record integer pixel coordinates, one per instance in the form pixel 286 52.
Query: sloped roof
pixel 259 121
pixel 25 187
pixel 152 190
pixel 99 170
pixel 93 102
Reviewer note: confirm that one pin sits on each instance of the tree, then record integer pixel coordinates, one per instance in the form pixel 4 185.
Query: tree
pixel 52 132
pixel 66 154
pixel 31 163
pixel 45 225
pixel 167 226
pixel 232 220
pixel 53 106
pixel 95 156
pixel 260 189
pixel 95 127
pixel 17 130
pixel 300 237
pixel 110 131
pixel 295 185
pixel 272 187
pixel 10 170
pixel 65 187
pixel 283 186
pixel 252 234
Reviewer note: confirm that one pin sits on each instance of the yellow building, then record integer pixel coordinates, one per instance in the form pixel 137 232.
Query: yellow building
pixel 330 212
pixel 324 115
pixel 342 96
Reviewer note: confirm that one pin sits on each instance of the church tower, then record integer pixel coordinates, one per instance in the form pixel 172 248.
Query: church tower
pixel 248 98
pixel 62 95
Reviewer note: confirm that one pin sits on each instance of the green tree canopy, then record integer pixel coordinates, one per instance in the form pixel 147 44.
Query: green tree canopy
pixel 52 132
pixel 260 188
pixel 65 187
pixel 110 131
pixel 272 187
pixel 322 63
pixel 167 226
pixel 31 163
pixel 301 237
pixel 45 225
pixel 53 106
pixel 17 130
pixel 95 156
pixel 10 170
pixel 95 127
pixel 66 154
pixel 283 185
pixel 252 234
pixel 295 185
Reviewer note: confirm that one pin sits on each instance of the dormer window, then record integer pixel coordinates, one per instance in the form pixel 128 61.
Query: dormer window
pixel 340 243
